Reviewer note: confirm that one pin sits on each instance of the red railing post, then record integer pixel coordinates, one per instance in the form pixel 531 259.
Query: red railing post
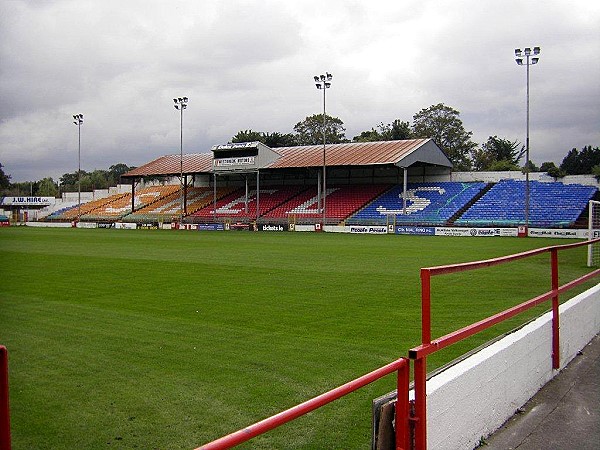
pixel 419 355
pixel 294 412
pixel 4 408
pixel 555 318
pixel 425 306
pixel 402 407
pixel 420 418
pixel 420 364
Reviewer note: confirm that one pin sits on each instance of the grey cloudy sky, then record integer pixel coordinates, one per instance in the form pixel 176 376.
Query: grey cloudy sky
pixel 248 64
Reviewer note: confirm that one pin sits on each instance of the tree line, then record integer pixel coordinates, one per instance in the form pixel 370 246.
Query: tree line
pixel 440 122
pixel 48 187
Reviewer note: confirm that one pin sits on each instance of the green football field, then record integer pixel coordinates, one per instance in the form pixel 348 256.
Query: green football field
pixel 167 340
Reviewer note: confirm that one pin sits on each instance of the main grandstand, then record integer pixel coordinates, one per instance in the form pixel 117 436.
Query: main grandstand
pixel 406 182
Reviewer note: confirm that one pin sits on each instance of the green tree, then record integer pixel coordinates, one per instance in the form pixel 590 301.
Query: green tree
pixel 248 136
pixel 443 125
pixel 276 139
pixel 395 131
pixel 498 154
pixel 596 172
pixel 272 140
pixel 68 181
pixel 4 179
pixel 531 166
pixel 570 163
pixel 47 187
pixel 310 130
pixel 502 165
pixel 581 162
pixel 555 172
pixel 368 136
pixel 547 165
pixel 116 171
pixel 87 183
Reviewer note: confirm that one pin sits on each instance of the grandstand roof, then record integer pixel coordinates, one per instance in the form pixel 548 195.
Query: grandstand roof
pixel 171 165
pixel 363 154
pixel 401 153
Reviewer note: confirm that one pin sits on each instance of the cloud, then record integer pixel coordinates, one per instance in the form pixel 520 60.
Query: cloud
pixel 249 65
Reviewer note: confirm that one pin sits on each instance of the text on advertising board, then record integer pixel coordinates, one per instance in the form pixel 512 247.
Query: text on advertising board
pixel 239 161
pixel 28 201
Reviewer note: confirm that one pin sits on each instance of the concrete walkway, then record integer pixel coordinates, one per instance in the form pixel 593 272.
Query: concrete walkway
pixel 564 414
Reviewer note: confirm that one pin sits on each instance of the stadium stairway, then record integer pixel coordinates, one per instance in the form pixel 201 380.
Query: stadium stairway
pixel 470 203
pixel 583 219
pixel 428 203
pixel 229 207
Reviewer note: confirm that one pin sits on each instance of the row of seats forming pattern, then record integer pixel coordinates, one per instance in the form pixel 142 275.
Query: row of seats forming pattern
pixel 234 205
pixel 122 206
pixel 432 203
pixel 169 207
pixel 340 202
pixel 550 204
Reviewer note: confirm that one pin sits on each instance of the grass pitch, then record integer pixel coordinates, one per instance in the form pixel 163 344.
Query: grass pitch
pixel 157 339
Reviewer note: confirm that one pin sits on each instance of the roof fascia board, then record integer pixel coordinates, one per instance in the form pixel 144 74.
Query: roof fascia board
pixel 428 153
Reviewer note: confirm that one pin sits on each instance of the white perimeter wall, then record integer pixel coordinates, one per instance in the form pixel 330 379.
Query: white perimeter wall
pixel 476 396
pixel 494 177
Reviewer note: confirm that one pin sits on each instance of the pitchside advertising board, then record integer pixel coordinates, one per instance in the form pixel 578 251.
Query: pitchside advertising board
pixel 476 232
pixel 422 231
pixel 28 201
pixel 273 228
pixel 368 229
pixel 457 232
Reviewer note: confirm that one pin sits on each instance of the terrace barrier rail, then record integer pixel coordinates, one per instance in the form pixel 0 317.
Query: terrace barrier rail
pixel 4 410
pixel 401 366
pixel 428 346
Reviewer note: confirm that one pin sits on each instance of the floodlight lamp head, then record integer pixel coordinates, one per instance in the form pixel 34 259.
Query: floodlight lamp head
pixel 316 78
pixel 518 52
pixel 527 51
pixel 329 76
pixel 536 50
pixel 174 100
pixel 176 106
pixel 318 85
pixel 519 61
pixel 185 99
pixel 534 60
pixel 327 85
pixel 322 77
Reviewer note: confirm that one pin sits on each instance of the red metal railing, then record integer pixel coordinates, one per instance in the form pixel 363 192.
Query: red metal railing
pixel 401 366
pixel 419 354
pixel 4 410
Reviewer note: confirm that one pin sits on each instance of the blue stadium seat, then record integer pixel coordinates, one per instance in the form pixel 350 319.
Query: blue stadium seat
pixel 550 204
pixel 427 203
